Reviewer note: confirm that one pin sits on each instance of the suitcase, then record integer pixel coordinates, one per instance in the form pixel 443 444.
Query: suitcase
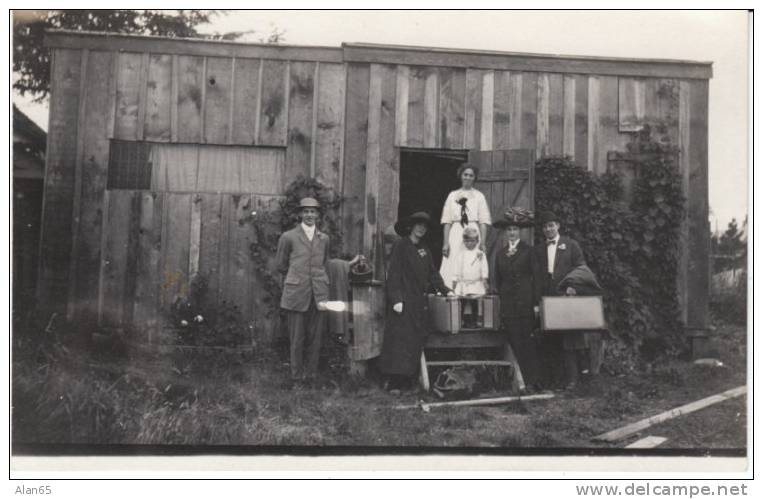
pixel 446 312
pixel 572 313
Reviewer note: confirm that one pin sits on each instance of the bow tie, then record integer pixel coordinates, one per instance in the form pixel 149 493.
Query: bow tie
pixel 550 242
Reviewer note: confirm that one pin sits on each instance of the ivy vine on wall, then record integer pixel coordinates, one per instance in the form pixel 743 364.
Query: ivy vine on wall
pixel 630 242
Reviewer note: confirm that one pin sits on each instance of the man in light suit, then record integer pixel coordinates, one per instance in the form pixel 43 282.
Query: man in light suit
pixel 555 258
pixel 301 257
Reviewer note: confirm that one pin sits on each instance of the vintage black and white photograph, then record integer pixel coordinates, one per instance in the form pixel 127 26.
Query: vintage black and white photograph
pixel 380 232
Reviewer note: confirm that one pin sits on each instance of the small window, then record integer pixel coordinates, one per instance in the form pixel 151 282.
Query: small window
pixel 166 167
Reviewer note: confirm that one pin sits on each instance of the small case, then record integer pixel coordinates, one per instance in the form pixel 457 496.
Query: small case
pixel 572 313
pixel 446 313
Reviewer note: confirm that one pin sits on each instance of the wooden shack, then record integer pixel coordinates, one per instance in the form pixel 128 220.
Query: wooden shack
pixel 157 148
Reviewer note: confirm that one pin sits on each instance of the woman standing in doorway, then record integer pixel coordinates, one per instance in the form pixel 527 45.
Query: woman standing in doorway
pixel 464 207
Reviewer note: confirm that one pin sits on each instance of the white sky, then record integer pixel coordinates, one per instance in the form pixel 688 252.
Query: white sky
pixel 717 36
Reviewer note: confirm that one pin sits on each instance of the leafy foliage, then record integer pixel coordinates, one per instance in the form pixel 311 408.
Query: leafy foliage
pixel 197 322
pixel 632 245
pixel 31 60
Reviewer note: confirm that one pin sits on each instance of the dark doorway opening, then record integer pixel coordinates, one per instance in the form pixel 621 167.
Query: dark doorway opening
pixel 426 179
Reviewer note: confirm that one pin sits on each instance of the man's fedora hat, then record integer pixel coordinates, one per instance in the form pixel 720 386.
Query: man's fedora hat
pixel 309 203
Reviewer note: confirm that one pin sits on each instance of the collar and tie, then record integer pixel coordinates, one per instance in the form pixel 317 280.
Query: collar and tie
pixel 550 242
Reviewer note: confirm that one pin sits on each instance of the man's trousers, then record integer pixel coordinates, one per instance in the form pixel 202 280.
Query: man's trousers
pixel 305 332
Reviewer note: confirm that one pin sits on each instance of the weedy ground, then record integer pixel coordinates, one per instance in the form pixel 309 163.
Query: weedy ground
pixel 67 392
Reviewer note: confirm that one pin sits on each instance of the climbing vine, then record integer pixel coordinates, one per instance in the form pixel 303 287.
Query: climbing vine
pixel 631 242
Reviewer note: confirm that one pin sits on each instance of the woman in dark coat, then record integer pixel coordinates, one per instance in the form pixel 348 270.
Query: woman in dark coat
pixel 513 270
pixel 411 273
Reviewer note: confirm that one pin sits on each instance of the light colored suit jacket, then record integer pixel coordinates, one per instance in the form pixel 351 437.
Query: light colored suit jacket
pixel 303 262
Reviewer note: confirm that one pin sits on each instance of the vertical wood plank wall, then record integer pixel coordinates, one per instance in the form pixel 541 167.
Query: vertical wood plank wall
pixel 343 123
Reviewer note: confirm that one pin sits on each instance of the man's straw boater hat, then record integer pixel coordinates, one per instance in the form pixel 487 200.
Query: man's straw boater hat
pixel 309 203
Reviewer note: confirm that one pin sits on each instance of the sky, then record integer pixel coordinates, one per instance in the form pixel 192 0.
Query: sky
pixel 717 36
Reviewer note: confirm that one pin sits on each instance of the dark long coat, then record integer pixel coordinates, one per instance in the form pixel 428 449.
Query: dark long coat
pixel 514 281
pixel 514 278
pixel 410 275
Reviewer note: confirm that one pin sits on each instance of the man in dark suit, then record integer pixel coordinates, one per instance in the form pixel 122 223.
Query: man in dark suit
pixel 556 257
pixel 301 257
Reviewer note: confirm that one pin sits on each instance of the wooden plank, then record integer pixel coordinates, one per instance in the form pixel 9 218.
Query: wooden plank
pixel 94 160
pixel 274 105
pixel 569 119
pixel 501 110
pixel 192 46
pixel 380 114
pixel 649 442
pixel 581 121
pixel 502 116
pixel 594 149
pixel 556 106
pixel 231 101
pixel 515 110
pixel 133 229
pixel 237 271
pixel 114 258
pixel 431 109
pixel 217 100
pixel 56 226
pixel 610 138
pixel 314 125
pixel 300 136
pixel 452 99
pixel 684 167
pixel 112 105
pixel 176 227
pixel 401 106
pixel 239 169
pixel 661 108
pixel 356 135
pixel 128 94
pixel 329 132
pixel 148 270
pixel 416 91
pixel 245 91
pixel 473 109
pixel 528 133
pixel 195 240
pixel 628 430
pixel 486 122
pixel 142 96
pixel 174 99
pixel 389 157
pixel 157 124
pixel 77 186
pixel 507 61
pixel 477 402
pixel 190 98
pixel 542 146
pixel 632 102
pixel 699 242
pixel 209 245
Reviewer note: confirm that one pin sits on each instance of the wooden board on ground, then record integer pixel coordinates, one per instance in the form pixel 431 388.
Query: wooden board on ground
pixel 628 430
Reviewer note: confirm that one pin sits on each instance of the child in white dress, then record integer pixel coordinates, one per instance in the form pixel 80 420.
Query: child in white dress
pixel 471 275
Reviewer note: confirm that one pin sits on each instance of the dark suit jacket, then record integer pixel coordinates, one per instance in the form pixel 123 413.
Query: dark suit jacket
pixel 568 256
pixel 304 264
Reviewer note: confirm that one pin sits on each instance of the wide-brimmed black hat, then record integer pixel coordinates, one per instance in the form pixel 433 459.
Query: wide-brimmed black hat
pixel 404 225
pixel 548 216
pixel 515 216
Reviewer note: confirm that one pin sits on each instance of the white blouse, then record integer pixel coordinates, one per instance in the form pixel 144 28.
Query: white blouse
pixel 476 207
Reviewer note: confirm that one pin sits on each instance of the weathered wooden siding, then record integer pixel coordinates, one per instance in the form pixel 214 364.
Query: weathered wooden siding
pixel 341 120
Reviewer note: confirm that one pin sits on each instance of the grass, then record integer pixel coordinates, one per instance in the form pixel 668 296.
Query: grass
pixel 67 393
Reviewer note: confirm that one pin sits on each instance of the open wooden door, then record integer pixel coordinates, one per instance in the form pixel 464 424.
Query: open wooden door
pixel 506 178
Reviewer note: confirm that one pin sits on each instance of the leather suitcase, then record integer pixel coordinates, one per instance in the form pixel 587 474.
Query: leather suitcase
pixel 572 313
pixel 446 313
